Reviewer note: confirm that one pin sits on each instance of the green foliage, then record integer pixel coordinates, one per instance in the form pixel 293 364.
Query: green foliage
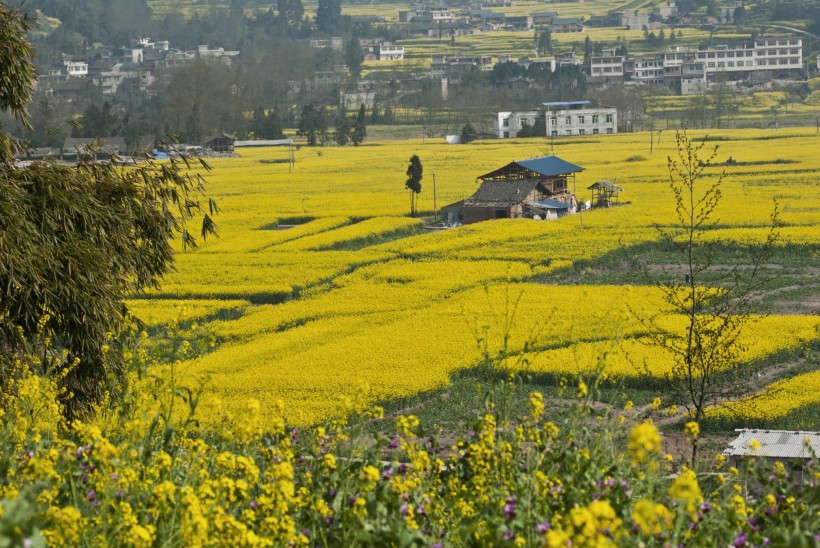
pixel 359 131
pixel 74 240
pixel 313 124
pixel 415 172
pixel 329 16
pixel 468 133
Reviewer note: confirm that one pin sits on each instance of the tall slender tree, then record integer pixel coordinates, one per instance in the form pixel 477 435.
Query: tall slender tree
pixel 415 172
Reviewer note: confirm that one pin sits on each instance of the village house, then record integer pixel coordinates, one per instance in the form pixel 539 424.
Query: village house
pixel 792 448
pixel 220 143
pixel 537 189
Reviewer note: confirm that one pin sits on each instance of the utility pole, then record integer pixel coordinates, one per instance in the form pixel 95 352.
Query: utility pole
pixel 435 209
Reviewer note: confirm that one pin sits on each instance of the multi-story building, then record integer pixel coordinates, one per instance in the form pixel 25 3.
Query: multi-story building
pixel 645 69
pixel 607 67
pixel 443 66
pixel 764 54
pixel 558 119
pixel 692 78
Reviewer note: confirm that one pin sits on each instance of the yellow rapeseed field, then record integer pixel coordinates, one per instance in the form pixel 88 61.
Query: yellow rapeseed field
pixel 357 291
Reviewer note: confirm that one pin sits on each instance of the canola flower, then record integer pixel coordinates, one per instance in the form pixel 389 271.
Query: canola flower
pixel 355 270
pixel 514 481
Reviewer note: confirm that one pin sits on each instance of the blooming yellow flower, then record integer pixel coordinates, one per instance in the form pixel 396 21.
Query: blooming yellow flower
pixel 692 429
pixel 686 488
pixel 652 518
pixel 644 441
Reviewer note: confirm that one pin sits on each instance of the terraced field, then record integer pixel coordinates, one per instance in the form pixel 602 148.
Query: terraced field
pixel 357 292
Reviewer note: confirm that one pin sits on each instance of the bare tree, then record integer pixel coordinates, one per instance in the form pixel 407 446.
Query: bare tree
pixel 712 302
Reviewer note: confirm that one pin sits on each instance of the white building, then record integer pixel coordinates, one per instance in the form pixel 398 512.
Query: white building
pixel 388 52
pixel 77 69
pixel 559 119
pixel 764 54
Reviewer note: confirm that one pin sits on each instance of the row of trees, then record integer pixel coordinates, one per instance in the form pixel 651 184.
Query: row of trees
pixel 314 125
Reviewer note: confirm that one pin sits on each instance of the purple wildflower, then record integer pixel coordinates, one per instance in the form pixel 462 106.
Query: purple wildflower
pixel 509 508
pixel 403 509
pixel 394 443
pixel 542 528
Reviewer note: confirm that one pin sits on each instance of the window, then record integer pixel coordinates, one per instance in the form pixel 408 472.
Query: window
pixel 609 118
pixel 581 119
pixel 582 132
pixel 568 120
pixel 594 118
pixel 595 131
pixel 711 64
pixel 501 214
pixel 554 121
pixel 505 122
pixel 569 132
pixel 721 64
pixel 784 61
pixel 554 132
pixel 609 130
pixel 730 64
pixel 506 134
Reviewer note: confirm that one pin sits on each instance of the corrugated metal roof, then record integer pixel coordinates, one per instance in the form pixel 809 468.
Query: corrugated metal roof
pixel 552 204
pixel 787 444
pixel 566 103
pixel 546 166
pixel 549 165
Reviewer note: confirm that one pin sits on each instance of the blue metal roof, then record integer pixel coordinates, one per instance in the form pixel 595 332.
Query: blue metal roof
pixel 566 103
pixel 552 204
pixel 549 165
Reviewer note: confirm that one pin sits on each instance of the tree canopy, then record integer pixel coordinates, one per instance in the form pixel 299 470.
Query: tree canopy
pixel 76 239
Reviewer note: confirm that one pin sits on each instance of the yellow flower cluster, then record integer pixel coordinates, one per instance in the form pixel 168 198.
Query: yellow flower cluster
pixel 360 299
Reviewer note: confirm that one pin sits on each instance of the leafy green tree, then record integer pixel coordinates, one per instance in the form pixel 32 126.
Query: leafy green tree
pixel 468 133
pixel 75 240
pixel 354 56
pixel 329 16
pixel 342 128
pixel 359 132
pixel 415 172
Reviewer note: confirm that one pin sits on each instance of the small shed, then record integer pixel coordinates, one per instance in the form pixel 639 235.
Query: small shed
pixel 792 447
pixel 453 214
pixel 604 193
pixel 549 209
pixel 220 143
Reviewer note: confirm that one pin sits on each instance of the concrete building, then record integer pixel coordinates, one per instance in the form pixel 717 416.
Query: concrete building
pixel 606 68
pixel 558 119
pixel 388 52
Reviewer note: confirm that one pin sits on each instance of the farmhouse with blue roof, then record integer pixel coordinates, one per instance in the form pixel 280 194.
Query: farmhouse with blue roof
pixel 536 188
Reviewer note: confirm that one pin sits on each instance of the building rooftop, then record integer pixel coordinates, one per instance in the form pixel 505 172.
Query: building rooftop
pixel 775 444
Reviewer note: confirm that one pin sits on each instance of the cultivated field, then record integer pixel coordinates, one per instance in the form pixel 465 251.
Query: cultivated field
pixel 359 293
